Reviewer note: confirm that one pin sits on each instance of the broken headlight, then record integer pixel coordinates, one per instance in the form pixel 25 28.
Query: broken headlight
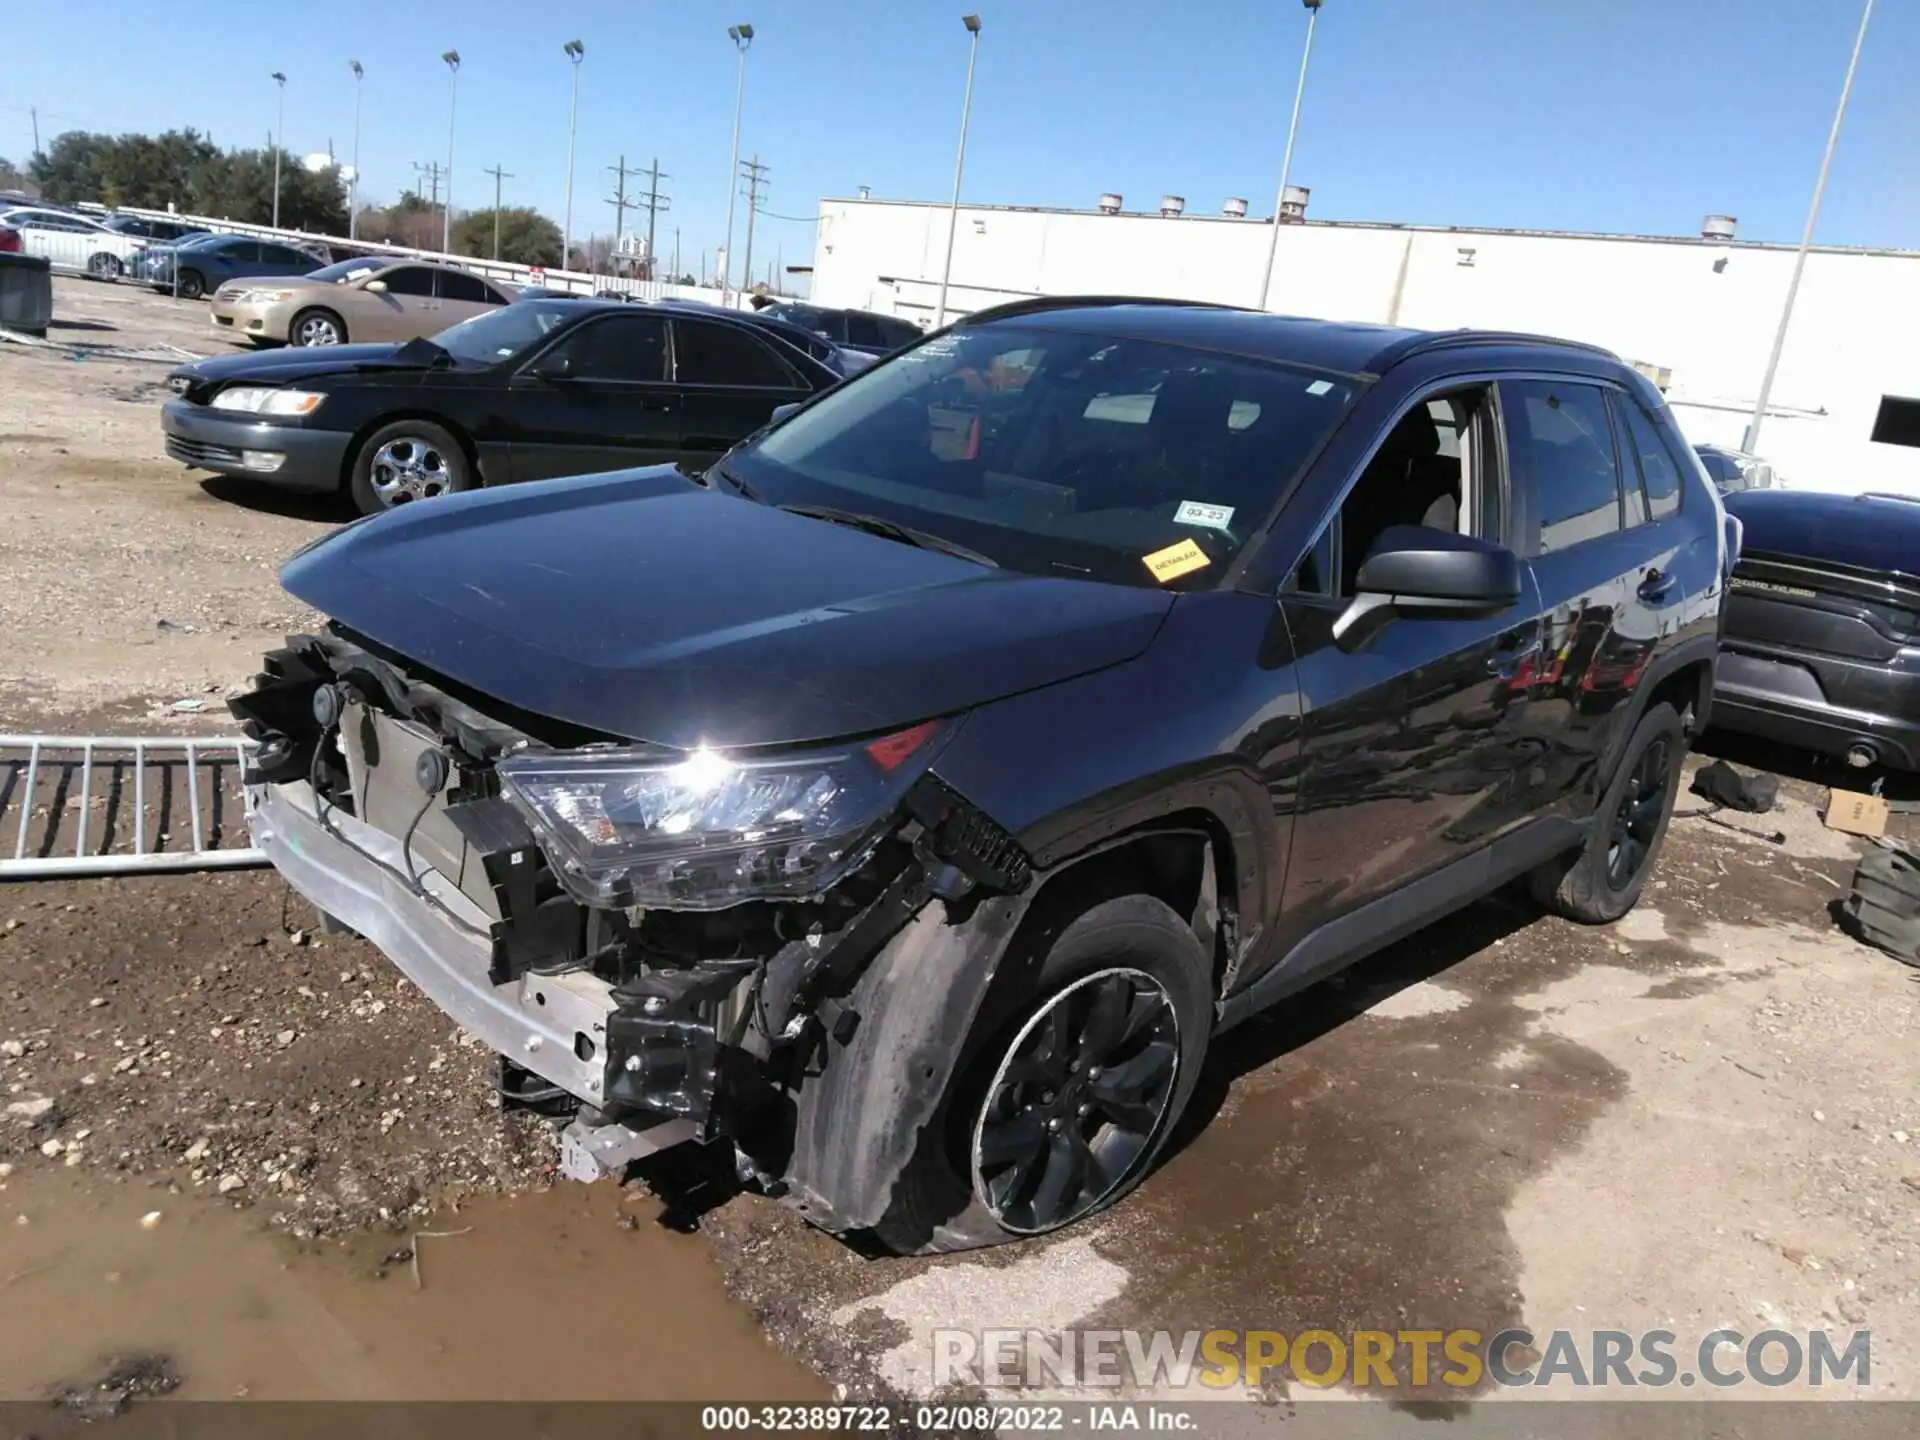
pixel 711 830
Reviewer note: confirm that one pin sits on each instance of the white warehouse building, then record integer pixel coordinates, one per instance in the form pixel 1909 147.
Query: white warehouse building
pixel 1698 312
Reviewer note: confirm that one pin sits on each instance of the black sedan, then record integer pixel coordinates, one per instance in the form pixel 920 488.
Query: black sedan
pixel 537 389
pixel 1821 646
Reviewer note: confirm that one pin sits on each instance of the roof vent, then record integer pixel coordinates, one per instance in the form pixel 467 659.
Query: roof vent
pixel 1717 227
pixel 866 192
pixel 1235 208
pixel 1172 205
pixel 1110 204
pixel 1293 205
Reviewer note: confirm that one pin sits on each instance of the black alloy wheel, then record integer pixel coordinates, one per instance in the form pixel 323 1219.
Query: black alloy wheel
pixel 1077 1101
pixel 1636 820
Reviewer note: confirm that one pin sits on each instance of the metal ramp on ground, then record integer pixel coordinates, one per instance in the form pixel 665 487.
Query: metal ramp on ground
pixel 73 805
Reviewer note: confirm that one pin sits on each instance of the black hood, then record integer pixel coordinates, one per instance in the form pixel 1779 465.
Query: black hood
pixel 642 606
pixel 300 362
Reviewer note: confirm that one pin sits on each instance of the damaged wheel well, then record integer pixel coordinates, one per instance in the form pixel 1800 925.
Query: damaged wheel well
pixel 1183 859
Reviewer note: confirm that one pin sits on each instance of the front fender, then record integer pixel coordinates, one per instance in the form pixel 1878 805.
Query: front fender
pixel 857 1123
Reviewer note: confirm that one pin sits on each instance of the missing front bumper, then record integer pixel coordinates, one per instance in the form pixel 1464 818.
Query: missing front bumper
pixel 555 1025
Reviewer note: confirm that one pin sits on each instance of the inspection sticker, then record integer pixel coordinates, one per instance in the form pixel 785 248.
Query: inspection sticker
pixel 1194 512
pixel 1176 560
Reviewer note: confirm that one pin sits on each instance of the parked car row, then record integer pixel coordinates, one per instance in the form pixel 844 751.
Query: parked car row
pixel 516 392
pixel 74 243
pixel 199 264
pixel 907 799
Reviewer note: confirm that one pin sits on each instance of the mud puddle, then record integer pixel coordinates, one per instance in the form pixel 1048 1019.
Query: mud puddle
pixel 572 1293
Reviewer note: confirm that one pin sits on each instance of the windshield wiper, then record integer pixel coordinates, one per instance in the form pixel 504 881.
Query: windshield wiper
pixel 740 487
pixel 890 530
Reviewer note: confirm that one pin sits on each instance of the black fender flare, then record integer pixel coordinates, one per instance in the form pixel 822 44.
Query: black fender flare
pixel 1696 650
pixel 858 1121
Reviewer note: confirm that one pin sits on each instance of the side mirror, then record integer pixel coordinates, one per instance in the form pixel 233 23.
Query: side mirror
pixel 780 412
pixel 554 365
pixel 375 287
pixel 1416 571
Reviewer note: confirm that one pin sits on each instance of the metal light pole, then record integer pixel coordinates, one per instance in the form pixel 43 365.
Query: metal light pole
pixel 742 37
pixel 452 57
pixel 353 189
pixel 575 52
pixel 1806 241
pixel 1286 163
pixel 279 130
pixel 972 22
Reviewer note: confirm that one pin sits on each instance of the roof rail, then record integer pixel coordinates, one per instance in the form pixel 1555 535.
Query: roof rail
pixel 1890 495
pixel 1445 339
pixel 1039 304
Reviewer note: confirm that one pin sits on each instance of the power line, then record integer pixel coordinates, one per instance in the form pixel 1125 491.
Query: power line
pixel 621 204
pixel 756 176
pixel 656 203
pixel 498 175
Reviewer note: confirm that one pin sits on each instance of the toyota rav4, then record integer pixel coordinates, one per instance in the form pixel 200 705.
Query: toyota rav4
pixel 906 801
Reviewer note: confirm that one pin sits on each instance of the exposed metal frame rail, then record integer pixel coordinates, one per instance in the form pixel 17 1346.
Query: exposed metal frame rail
pixel 57 836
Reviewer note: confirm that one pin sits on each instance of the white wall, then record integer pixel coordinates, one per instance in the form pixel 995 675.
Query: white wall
pixel 1661 301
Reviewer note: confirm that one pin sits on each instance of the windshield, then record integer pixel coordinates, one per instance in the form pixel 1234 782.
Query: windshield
pixel 498 334
pixel 346 271
pixel 805 316
pixel 1058 452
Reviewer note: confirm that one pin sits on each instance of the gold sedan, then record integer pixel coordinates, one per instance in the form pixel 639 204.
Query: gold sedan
pixel 355 300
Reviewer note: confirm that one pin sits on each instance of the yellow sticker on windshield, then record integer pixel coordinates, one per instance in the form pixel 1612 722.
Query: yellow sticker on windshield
pixel 1176 560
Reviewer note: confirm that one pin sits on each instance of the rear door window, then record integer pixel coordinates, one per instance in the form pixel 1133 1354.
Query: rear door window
pixel 1658 474
pixel 864 330
pixel 1560 441
pixel 707 354
pixel 458 285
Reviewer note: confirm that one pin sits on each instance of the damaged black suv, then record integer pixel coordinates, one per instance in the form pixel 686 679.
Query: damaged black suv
pixel 906 801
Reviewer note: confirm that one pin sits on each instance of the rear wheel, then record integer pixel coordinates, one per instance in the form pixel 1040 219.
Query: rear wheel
pixel 406 461
pixel 192 285
pixel 1068 1090
pixel 105 267
pixel 1602 880
pixel 317 327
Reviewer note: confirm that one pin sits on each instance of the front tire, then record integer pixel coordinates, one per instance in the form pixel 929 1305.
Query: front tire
pixel 1601 881
pixel 1067 1092
pixel 104 267
pixel 317 327
pixel 192 285
pixel 406 461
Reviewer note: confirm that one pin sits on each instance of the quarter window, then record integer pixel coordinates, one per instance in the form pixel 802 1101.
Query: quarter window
pixel 1658 473
pixel 1559 439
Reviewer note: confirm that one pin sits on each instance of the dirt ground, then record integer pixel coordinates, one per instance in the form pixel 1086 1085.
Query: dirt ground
pixel 1703 1116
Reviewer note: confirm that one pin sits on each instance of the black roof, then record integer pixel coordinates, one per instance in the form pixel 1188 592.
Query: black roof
pixel 1874 532
pixel 1345 346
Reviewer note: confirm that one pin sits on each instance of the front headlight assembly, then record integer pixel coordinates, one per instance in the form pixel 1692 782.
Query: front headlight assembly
pixel 268 400
pixel 707 830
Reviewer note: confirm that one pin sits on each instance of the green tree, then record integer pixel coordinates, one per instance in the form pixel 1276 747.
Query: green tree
pixel 12 177
pixel 526 236
pixel 71 168
pixel 239 186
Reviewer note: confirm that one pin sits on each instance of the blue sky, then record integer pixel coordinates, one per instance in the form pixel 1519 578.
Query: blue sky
pixel 1627 115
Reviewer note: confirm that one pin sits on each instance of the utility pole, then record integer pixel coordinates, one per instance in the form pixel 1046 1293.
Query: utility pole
pixel 676 255
pixel 498 175
pixel 34 111
pixel 433 173
pixel 756 174
pixel 621 204
pixel 655 203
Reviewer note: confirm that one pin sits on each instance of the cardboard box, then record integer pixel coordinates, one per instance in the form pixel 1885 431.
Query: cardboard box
pixel 1856 814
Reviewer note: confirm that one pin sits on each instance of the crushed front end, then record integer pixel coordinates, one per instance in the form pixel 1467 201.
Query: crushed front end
pixel 663 942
